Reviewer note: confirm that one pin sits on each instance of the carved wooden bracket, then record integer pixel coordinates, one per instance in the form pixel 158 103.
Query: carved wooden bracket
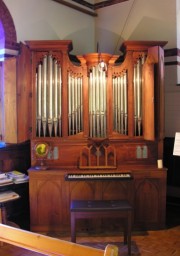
pixel 98 156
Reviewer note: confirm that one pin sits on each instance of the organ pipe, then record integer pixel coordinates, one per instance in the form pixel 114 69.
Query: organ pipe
pixel 74 103
pixel 56 100
pixel 44 96
pixel 38 97
pixel 97 102
pixel 48 100
pixel 120 102
pixel 50 96
pixel 60 100
pixel 125 103
pixel 138 96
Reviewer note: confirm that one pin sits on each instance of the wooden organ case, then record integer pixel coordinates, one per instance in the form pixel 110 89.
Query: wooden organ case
pixel 96 120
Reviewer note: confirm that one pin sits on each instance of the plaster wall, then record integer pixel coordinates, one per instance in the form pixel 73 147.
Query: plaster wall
pixel 48 20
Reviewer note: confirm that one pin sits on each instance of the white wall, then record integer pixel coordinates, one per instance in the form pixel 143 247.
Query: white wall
pixel 136 20
pixel 178 36
pixel 178 22
pixel 129 20
pixel 172 107
pixel 48 20
pixel 172 81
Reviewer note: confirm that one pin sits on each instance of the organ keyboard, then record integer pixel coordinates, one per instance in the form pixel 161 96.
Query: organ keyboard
pixel 98 176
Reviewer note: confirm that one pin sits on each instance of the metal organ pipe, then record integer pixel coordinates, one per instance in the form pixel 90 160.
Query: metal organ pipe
pixel 115 103
pixel 103 110
pixel 72 106
pixel 97 109
pixel 79 104
pixel 38 97
pixel 97 102
pixel 55 121
pixel 69 102
pixel 120 102
pixel 48 98
pixel 103 106
pixel 93 102
pixel 74 103
pixel 44 96
pixel 135 100
pixel 60 99
pixel 125 103
pixel 138 96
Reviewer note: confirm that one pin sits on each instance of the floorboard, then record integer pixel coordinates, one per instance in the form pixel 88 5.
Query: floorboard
pixel 149 243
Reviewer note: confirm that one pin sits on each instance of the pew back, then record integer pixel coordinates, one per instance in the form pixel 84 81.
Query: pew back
pixel 50 246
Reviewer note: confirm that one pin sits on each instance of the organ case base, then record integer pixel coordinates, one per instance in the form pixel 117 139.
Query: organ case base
pixel 50 197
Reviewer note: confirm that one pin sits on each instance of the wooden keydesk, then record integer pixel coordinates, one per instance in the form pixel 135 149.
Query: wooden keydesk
pixel 51 196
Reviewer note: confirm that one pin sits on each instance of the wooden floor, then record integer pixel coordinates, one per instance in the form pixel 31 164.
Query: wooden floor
pixel 150 243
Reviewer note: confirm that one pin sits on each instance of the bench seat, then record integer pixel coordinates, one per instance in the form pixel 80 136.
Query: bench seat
pixel 87 209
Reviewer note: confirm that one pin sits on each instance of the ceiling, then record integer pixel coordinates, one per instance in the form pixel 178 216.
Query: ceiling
pixel 88 6
pixel 98 3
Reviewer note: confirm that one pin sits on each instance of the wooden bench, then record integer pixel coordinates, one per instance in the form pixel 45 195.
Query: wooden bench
pixel 6 197
pixel 48 245
pixel 87 209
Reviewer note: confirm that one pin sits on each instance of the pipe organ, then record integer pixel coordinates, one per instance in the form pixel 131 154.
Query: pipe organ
pixel 100 114
pixel 124 82
pixel 49 98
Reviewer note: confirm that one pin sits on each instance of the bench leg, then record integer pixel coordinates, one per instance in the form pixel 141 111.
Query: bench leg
pixel 3 219
pixel 125 227
pixel 129 227
pixel 73 228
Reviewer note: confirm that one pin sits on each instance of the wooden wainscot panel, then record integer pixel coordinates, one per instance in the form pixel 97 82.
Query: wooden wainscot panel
pixel 110 189
pixel 47 205
pixel 10 98
pixel 116 190
pixel 15 156
pixel 17 97
pixel 24 94
pixel 139 152
pixel 149 198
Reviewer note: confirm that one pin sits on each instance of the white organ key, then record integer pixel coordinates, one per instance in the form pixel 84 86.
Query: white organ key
pixel 98 176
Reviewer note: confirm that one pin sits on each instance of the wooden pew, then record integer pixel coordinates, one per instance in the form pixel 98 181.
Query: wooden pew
pixel 48 245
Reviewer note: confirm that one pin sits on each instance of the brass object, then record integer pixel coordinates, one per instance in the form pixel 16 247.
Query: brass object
pixel 41 151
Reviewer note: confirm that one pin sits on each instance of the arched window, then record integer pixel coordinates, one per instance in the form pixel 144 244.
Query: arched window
pixel 8 43
pixel 2 41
